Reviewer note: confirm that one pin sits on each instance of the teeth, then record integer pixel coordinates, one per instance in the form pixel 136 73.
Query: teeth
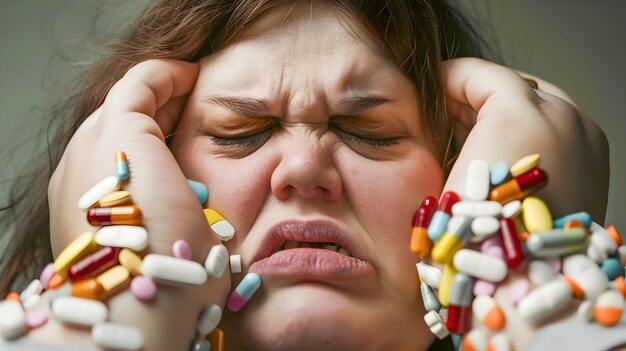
pixel 286 245
pixel 343 251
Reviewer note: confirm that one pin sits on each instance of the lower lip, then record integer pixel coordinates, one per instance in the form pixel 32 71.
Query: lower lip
pixel 311 264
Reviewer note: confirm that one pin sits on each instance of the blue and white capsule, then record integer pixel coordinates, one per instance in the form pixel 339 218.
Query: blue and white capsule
pixel 439 221
pixel 121 166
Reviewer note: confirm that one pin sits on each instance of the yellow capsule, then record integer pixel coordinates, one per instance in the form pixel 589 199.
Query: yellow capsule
pixel 113 279
pixel 129 259
pixel 524 165
pixel 115 198
pixel 82 246
pixel 446 247
pixel 220 226
pixel 446 283
pixel 536 215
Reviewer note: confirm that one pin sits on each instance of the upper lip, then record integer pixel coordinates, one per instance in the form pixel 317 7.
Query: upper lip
pixel 303 230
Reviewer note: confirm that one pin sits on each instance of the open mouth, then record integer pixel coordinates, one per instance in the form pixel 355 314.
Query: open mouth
pixel 288 244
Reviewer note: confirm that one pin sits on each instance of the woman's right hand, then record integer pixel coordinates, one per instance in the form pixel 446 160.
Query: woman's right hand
pixel 139 111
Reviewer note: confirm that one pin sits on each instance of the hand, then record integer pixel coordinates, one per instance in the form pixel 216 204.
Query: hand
pixel 497 116
pixel 139 110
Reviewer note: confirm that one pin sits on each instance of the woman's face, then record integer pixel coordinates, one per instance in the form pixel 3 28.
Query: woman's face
pixel 302 131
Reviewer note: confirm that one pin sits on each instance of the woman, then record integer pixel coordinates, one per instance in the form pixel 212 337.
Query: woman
pixel 303 119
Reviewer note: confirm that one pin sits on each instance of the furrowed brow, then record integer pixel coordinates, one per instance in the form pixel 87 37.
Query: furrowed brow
pixel 241 105
pixel 358 104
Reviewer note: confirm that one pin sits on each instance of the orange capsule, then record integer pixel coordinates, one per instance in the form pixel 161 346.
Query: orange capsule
pixel 523 236
pixel 420 243
pixel 620 285
pixel 519 187
pixel 102 216
pixel 216 338
pixel 577 291
pixel 55 281
pixel 608 308
pixel 13 296
pixel 615 235
pixel 574 223
pixel 88 289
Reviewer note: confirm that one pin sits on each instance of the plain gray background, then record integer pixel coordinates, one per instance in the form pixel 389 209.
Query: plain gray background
pixel 577 45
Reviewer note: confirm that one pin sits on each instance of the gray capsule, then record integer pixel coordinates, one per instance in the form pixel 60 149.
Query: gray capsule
pixel 558 242
pixel 461 290
pixel 200 345
pixel 431 303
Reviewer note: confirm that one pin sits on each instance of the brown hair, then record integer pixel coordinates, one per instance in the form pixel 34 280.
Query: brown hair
pixel 417 34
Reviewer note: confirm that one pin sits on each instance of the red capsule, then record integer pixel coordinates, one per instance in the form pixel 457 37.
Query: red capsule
pixel 520 186
pixel 420 243
pixel 513 254
pixel 425 212
pixel 102 216
pixel 448 199
pixel 95 263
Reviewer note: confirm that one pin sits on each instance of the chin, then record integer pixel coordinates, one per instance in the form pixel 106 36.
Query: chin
pixel 306 317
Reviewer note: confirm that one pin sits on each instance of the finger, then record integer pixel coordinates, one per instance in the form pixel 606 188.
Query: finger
pixel 148 86
pixel 469 82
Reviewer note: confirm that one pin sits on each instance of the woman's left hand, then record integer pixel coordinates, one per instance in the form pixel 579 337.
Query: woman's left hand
pixel 498 116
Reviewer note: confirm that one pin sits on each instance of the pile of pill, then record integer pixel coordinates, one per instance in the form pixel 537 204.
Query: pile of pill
pixel 565 258
pixel 94 267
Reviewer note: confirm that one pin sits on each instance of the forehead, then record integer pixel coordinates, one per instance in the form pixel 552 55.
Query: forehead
pixel 309 43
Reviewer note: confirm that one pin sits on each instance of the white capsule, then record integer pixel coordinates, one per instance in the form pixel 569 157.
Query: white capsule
pixel 485 226
pixel 174 270
pixel 79 311
pixel 512 209
pixel 480 265
pixel 586 273
pixel 477 181
pixel 116 336
pixel 477 208
pixel 435 323
pixel 585 310
pixel 476 339
pixel 540 272
pixel 545 300
pixel 488 312
pixel 130 236
pixel 499 342
pixel 31 301
pixel 596 254
pixel 601 239
pixel 209 319
pixel 431 275
pixel 104 187
pixel 216 261
pixel 12 319
pixel 235 264
pixel 33 288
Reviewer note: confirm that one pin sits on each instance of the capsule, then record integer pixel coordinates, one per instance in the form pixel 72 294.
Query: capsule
pixel 121 166
pixel 586 274
pixel 103 216
pixel 453 240
pixel 200 190
pixel 519 187
pixel 431 275
pixel 439 221
pixel 475 340
pixel 584 217
pixel 460 303
pixel 244 292
pixel 116 198
pixel 513 254
pixel 220 226
pixel 499 173
pixel 477 181
pixel 431 303
pixel 545 300
pixel 536 215
pixel 446 283
pixel 82 246
pixel 488 312
pixel 557 242
pixel 608 308
pixel 480 265
pixel 420 243
pixel 95 263
pixel 216 339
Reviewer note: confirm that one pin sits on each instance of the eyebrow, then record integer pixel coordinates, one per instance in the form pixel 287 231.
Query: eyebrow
pixel 258 107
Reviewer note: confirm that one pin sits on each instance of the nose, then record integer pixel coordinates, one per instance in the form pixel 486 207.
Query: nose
pixel 307 170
